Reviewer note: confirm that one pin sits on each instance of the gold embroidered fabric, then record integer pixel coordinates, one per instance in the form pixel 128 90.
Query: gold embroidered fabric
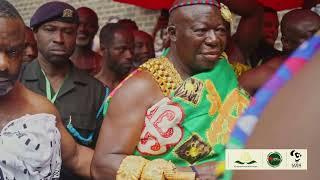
pixel 239 68
pixel 164 73
pixel 226 13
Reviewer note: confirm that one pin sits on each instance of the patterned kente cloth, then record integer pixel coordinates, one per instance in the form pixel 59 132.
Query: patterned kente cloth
pixel 193 123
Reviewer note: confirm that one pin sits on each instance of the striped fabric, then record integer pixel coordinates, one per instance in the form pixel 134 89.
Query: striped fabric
pixel 193 2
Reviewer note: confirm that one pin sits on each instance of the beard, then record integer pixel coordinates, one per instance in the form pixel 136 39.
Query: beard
pixel 122 69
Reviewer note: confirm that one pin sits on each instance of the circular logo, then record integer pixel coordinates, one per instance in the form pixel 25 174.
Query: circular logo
pixel 274 159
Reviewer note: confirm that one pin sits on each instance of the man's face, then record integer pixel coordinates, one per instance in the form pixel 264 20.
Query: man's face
pixel 143 47
pixel 56 41
pixel 294 35
pixel 270 28
pixel 200 36
pixel 120 52
pixel 30 48
pixel 11 51
pixel 87 29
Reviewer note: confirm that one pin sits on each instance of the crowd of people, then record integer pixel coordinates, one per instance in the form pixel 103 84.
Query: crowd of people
pixel 144 108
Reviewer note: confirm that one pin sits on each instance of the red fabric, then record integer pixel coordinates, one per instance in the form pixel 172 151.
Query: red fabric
pixel 149 4
pixel 282 4
pixel 166 4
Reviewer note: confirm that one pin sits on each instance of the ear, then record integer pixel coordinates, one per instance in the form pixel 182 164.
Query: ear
pixel 172 33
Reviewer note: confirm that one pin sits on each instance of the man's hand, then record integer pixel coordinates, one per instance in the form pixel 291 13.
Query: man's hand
pixel 205 171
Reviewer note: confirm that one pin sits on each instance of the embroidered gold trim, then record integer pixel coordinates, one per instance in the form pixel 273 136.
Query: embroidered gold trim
pixel 164 73
pixel 239 68
pixel 220 129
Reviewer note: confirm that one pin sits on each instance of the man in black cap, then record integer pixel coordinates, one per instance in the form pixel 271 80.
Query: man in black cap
pixel 76 95
pixel 33 140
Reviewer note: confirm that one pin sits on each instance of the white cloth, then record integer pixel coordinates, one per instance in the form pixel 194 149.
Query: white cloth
pixel 30 149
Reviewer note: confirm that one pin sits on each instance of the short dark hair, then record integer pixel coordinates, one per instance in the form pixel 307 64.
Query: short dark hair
pixel 107 32
pixel 7 10
pixel 129 23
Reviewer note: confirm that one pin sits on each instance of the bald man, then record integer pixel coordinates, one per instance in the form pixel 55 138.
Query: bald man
pixel 143 48
pixel 30 46
pixel 174 111
pixel 296 27
pixel 84 57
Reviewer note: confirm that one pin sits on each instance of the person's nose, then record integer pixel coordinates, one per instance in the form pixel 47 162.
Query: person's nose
pixel 81 27
pixel 4 63
pixel 128 54
pixel 58 37
pixel 144 49
pixel 211 39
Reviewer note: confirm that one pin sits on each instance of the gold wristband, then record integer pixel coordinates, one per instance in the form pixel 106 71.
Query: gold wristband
pixel 131 168
pixel 160 169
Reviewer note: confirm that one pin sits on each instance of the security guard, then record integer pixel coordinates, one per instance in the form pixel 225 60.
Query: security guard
pixel 76 95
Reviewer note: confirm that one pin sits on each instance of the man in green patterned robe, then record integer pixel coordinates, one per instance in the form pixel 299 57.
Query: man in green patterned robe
pixel 180 108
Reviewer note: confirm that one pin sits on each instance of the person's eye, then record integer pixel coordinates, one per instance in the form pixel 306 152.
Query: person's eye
pixel 200 31
pixel 69 31
pixel 221 30
pixel 13 52
pixel 49 29
pixel 121 49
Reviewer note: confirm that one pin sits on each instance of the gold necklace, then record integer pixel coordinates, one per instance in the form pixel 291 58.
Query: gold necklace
pixel 164 74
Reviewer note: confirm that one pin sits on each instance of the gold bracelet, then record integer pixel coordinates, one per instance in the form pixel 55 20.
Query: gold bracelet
pixel 131 168
pixel 160 169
